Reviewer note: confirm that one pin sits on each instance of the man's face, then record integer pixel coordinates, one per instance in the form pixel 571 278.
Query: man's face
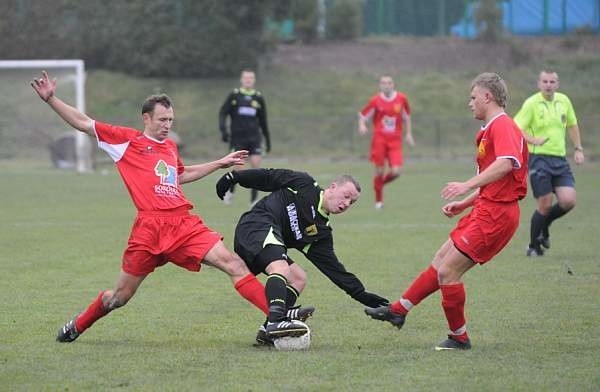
pixel 548 84
pixel 247 80
pixel 158 123
pixel 479 99
pixel 339 198
pixel 386 85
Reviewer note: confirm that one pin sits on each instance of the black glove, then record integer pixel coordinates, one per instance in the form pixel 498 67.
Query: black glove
pixel 371 300
pixel 225 183
pixel 225 137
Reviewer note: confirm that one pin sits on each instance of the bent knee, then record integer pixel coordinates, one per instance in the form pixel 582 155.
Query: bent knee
pixel 298 279
pixel 447 276
pixel 117 299
pixel 567 204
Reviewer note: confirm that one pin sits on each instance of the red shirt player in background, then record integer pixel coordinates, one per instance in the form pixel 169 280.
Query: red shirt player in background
pixel 389 110
pixel 502 157
pixel 164 230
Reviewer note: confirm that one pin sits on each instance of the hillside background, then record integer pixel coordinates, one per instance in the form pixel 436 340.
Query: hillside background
pixel 313 93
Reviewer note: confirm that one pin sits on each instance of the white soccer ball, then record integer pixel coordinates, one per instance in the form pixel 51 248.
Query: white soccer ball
pixel 293 343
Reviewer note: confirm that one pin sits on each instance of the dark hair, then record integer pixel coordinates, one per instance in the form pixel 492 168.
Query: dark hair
pixel 344 178
pixel 151 101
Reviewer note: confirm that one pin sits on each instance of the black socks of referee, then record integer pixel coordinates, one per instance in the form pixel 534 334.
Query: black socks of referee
pixel 540 224
pixel 555 213
pixel 276 292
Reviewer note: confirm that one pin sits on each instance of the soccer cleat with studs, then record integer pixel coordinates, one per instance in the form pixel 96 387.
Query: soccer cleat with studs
pixel 385 313
pixel 453 344
pixel 262 340
pixel 279 329
pixel 300 313
pixel 67 333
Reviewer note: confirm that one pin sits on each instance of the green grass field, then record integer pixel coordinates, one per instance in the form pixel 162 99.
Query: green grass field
pixel 533 326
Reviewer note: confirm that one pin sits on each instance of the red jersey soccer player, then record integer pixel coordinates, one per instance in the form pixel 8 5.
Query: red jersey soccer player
pixel 389 110
pixel 164 230
pixel 501 182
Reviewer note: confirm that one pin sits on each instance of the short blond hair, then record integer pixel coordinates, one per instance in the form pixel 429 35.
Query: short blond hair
pixel 344 178
pixel 495 84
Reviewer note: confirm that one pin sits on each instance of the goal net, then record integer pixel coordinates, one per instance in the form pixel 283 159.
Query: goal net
pixel 29 130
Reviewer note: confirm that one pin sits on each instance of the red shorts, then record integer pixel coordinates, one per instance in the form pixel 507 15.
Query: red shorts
pixel 160 237
pixel 389 149
pixel 486 230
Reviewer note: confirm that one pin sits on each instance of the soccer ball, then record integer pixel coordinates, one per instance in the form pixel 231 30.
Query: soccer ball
pixel 293 343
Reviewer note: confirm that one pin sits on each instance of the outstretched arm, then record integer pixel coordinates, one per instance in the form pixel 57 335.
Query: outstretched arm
pixel 196 172
pixel 46 89
pixel 265 180
pixel 321 254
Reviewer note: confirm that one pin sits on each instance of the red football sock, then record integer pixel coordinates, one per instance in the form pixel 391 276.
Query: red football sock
pixel 453 302
pixel 250 288
pixel 378 187
pixel 423 285
pixel 94 312
pixel 389 178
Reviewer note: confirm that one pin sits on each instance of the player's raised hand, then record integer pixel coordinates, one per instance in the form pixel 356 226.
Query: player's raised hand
pixel 236 158
pixel 44 87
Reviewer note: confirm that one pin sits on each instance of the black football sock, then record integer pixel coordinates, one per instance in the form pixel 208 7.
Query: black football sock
pixel 538 222
pixel 291 296
pixel 275 289
pixel 555 213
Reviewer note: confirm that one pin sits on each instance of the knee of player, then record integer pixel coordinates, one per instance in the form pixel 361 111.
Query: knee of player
pixel 447 275
pixel 568 204
pixel 297 278
pixel 114 300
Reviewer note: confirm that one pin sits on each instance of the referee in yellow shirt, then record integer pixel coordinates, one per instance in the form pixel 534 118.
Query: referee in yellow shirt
pixel 544 119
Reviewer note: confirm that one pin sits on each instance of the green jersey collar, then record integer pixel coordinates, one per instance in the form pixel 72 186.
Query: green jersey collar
pixel 247 92
pixel 320 207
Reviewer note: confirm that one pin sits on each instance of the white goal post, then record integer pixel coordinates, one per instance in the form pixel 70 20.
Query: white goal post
pixel 83 148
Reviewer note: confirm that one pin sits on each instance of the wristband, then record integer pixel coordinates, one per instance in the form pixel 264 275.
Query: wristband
pixel 579 148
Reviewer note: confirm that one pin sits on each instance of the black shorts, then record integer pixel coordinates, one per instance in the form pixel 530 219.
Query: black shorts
pixel 549 172
pixel 254 146
pixel 258 242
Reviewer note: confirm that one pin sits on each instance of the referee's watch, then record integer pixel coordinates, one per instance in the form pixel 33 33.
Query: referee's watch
pixel 579 148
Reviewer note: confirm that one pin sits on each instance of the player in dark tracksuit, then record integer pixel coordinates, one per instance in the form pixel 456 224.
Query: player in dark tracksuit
pixel 294 215
pixel 247 111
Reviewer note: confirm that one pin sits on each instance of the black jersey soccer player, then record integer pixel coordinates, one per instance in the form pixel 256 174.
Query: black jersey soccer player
pixel 294 215
pixel 247 111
